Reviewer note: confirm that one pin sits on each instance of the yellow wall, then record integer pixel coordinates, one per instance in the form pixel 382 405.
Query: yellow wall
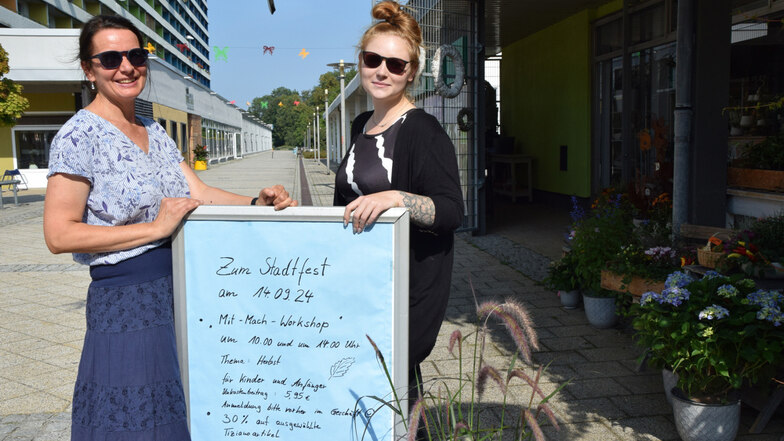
pixel 6 155
pixel 546 100
pixel 169 114
pixel 51 102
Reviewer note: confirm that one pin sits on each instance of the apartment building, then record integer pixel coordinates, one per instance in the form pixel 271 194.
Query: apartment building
pixel 41 37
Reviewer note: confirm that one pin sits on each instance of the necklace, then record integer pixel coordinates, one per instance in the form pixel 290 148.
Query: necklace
pixel 376 122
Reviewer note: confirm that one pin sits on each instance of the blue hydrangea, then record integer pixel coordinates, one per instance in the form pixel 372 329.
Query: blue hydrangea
pixel 650 297
pixel 714 312
pixel 678 279
pixel 764 298
pixel 674 296
pixel 772 314
pixel 710 274
pixel 727 291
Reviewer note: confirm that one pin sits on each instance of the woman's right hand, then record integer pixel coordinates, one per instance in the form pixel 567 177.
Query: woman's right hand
pixel 171 212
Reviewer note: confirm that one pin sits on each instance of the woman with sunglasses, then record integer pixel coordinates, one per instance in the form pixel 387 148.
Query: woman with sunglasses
pixel 117 189
pixel 401 157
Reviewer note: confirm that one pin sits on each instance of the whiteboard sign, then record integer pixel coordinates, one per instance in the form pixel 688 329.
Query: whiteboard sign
pixel 272 310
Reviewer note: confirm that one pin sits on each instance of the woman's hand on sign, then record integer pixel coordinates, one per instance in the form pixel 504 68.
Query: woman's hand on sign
pixel 365 210
pixel 276 196
pixel 171 212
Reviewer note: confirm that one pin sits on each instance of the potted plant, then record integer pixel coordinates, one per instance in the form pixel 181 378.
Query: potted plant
pixel 562 279
pixel 635 270
pixel 597 237
pixel 455 407
pixel 200 156
pixel 717 334
pixel 761 165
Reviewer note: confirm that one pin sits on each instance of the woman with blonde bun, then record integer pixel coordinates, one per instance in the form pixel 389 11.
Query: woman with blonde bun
pixel 400 156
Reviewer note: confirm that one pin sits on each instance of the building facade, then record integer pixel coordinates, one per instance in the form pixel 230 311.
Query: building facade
pixel 177 30
pixel 42 52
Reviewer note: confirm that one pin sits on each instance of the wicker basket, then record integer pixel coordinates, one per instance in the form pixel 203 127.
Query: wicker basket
pixel 708 258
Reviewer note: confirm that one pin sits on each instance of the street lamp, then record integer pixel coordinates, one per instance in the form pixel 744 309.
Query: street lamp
pixel 341 67
pixel 318 135
pixel 326 125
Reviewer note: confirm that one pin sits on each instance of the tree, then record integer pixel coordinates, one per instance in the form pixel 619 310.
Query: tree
pixel 12 103
pixel 290 120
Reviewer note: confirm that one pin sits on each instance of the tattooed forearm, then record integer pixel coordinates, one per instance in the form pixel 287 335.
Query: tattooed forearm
pixel 422 209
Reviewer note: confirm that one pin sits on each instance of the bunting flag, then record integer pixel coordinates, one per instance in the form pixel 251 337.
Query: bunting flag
pixel 269 49
pixel 182 47
pixel 303 53
pixel 247 103
pixel 221 53
pixel 150 48
pixel 264 104
pixel 296 103
pixel 232 101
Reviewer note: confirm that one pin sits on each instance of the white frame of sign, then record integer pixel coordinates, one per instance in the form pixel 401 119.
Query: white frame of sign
pixel 398 305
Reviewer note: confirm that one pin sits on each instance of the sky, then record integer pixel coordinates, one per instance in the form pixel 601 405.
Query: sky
pixel 328 30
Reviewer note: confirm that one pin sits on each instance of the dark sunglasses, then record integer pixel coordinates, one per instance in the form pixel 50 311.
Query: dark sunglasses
pixel 113 59
pixel 394 65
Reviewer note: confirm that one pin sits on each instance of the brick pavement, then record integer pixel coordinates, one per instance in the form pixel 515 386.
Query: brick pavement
pixel 42 326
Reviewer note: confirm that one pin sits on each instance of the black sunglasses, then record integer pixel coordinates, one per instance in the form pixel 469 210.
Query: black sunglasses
pixel 394 65
pixel 113 59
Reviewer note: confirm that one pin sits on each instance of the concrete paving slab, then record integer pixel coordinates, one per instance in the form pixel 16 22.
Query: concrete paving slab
pixel 42 300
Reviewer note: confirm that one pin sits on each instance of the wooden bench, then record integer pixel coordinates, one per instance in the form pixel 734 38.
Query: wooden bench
pixel 703 232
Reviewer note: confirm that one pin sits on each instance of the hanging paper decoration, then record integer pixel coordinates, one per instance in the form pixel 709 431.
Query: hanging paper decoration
pixel 150 48
pixel 221 53
pixel 280 104
pixel 183 47
pixel 201 66
pixel 303 53
pixel 264 104
pixel 269 49
pixel 296 103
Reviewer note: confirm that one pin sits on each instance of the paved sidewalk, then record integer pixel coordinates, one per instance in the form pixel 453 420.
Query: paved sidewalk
pixel 42 324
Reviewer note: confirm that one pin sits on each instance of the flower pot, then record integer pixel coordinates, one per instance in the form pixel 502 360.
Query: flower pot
pixel 705 422
pixel 636 287
pixel 772 180
pixel 670 380
pixel 200 165
pixel 600 311
pixel 569 299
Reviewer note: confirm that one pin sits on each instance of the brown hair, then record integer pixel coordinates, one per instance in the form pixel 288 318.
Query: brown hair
pixel 397 22
pixel 99 23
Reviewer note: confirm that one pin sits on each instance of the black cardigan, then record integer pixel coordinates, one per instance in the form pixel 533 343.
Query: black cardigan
pixel 424 163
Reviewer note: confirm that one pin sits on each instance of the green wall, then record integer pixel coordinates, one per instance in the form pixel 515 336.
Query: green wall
pixel 546 100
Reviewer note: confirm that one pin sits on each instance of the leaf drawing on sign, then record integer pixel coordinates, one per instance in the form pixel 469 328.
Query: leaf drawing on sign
pixel 340 368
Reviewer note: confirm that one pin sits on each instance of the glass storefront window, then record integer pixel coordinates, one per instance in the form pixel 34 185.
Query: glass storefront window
pixel 32 147
pixel 609 37
pixel 648 24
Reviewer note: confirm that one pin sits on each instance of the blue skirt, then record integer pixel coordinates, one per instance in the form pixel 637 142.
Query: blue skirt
pixel 128 387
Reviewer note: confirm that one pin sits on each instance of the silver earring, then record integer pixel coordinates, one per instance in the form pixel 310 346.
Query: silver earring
pixel 92 86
